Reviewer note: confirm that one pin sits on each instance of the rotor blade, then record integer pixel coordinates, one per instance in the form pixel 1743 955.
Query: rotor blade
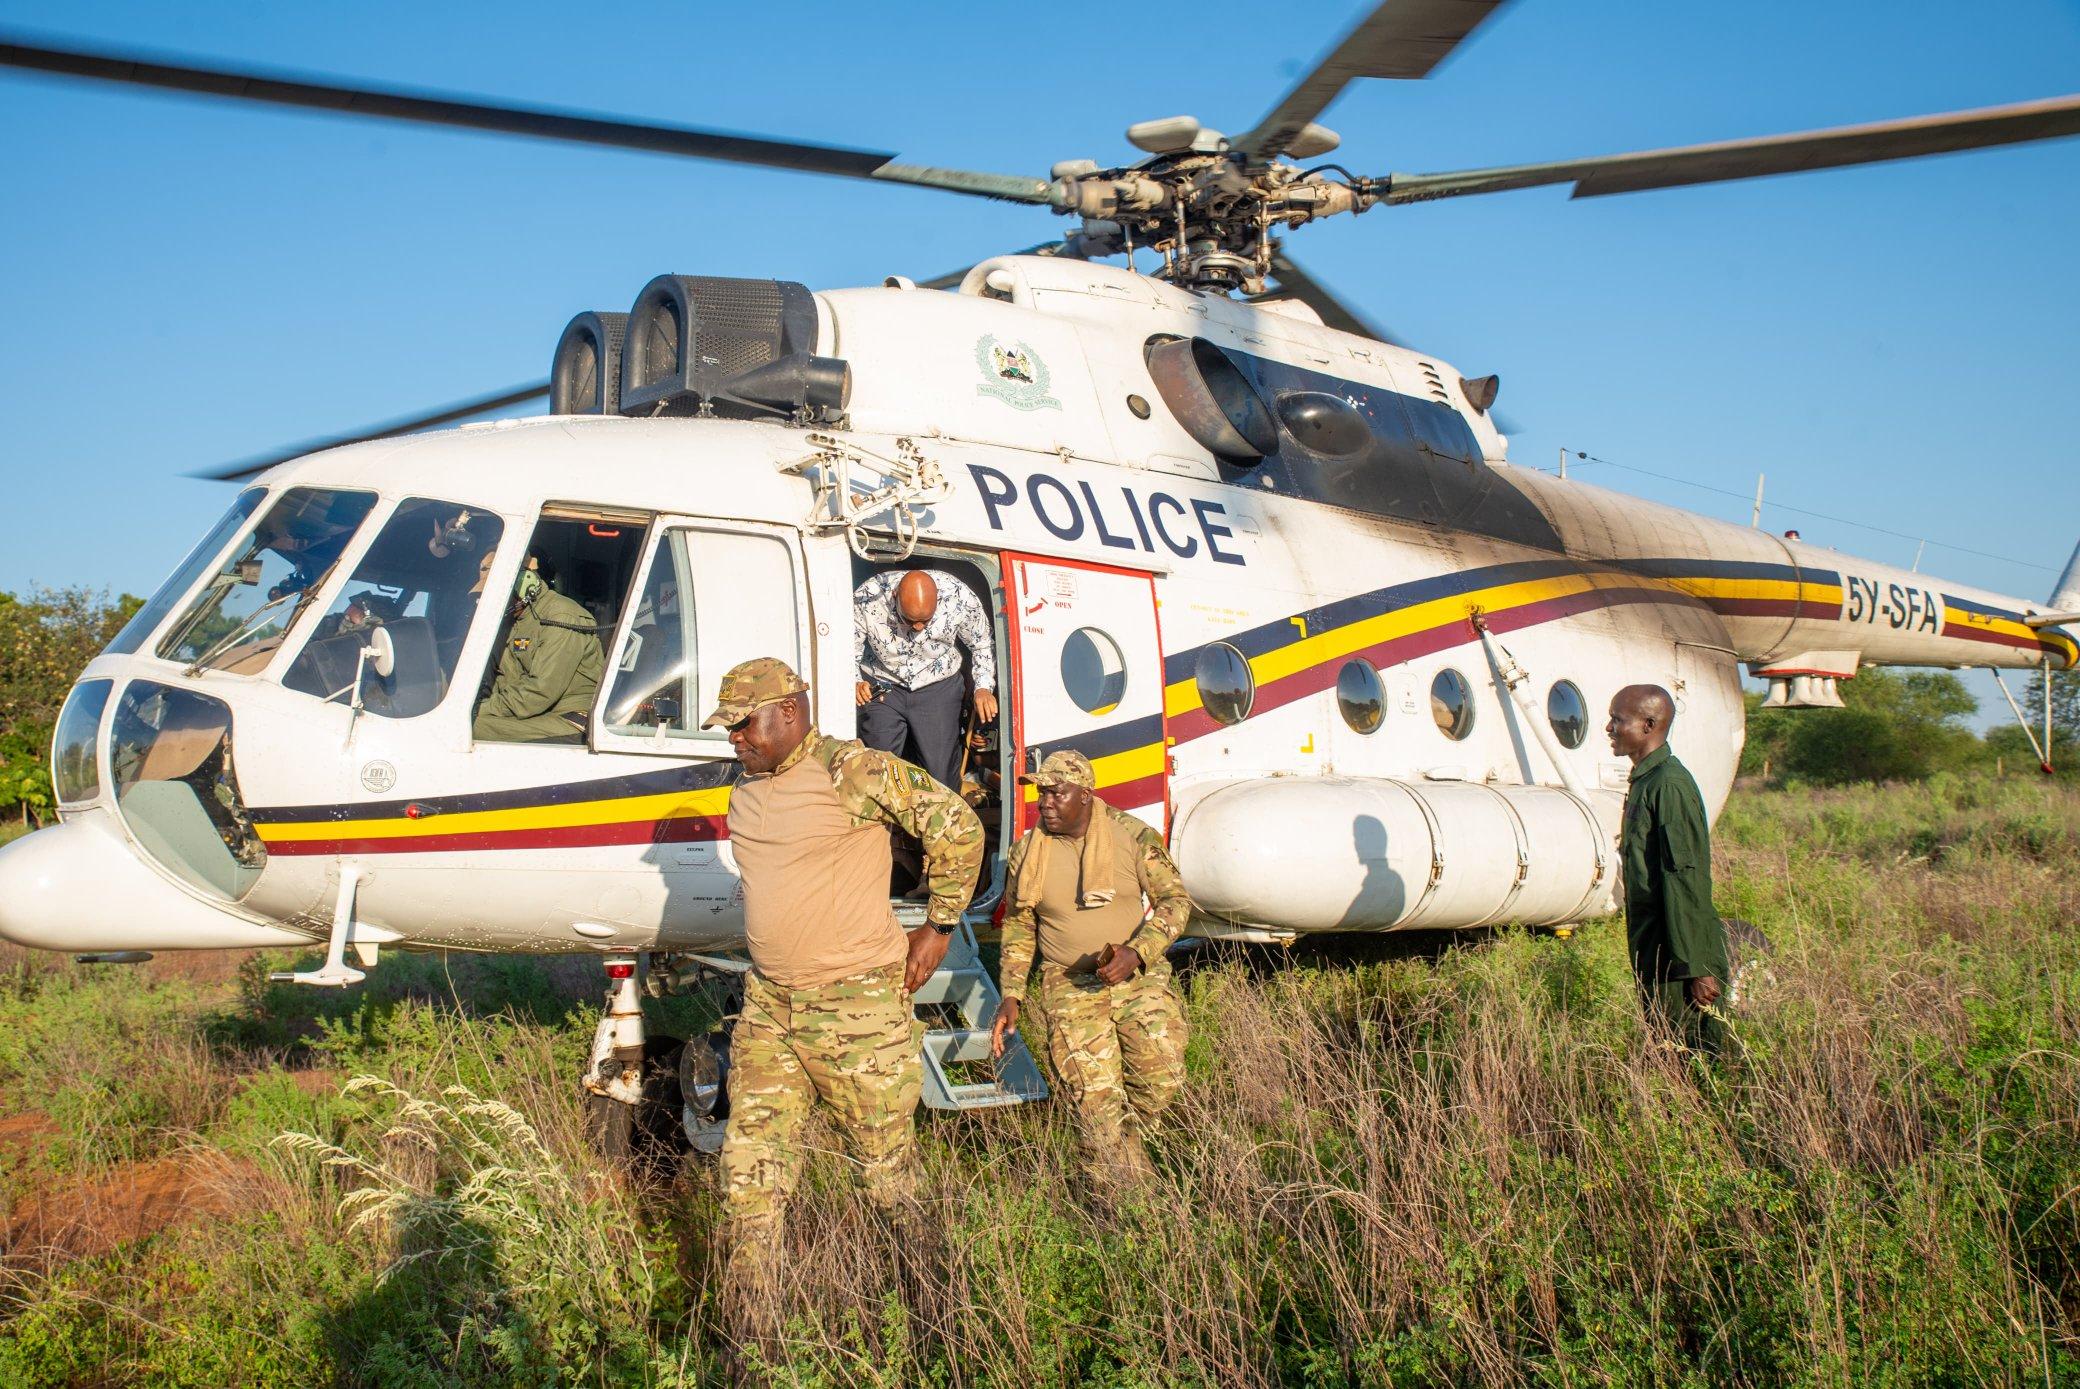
pixel 1295 283
pixel 1402 38
pixel 448 414
pixel 1770 154
pixel 541 122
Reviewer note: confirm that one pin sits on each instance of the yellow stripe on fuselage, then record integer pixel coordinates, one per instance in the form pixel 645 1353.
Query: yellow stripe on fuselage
pixel 1336 642
pixel 1120 768
pixel 1778 590
pixel 671 805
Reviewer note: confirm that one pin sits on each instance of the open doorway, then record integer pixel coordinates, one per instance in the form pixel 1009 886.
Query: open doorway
pixel 586 559
pixel 977 760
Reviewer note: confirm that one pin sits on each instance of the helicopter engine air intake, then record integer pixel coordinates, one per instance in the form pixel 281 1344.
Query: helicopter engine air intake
pixel 739 349
pixel 585 373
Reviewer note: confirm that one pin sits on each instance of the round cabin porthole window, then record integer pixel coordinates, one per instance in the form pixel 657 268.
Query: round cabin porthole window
pixel 1568 712
pixel 1226 687
pixel 1093 671
pixel 1360 697
pixel 1451 704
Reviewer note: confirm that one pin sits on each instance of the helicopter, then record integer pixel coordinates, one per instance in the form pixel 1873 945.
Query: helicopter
pixel 1273 572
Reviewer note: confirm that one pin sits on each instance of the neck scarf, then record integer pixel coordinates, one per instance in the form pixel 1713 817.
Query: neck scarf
pixel 1093 873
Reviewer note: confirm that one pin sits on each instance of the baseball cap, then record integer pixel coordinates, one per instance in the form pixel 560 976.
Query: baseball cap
pixel 751 686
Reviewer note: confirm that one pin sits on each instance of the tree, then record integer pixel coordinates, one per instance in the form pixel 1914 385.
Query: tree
pixel 2010 740
pixel 1894 726
pixel 46 637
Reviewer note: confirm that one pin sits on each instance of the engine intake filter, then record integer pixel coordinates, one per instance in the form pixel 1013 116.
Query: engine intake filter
pixel 690 337
pixel 1214 397
pixel 585 373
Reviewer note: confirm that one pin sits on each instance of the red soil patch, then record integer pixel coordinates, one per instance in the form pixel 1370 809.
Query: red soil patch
pixel 89 1217
pixel 25 1131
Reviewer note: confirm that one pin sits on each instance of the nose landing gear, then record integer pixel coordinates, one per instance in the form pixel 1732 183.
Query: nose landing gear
pixel 650 1098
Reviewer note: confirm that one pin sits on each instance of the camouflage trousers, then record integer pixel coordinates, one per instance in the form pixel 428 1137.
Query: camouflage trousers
pixel 851 1047
pixel 1118 1052
pixel 1667 1003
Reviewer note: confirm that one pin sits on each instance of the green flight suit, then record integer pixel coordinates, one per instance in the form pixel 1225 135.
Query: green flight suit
pixel 550 668
pixel 1674 934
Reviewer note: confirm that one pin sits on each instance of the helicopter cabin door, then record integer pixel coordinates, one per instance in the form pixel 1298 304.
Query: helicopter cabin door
pixel 710 593
pixel 1087 675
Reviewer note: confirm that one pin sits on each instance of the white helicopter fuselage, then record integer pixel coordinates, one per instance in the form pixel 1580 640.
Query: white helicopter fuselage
pixel 1345 715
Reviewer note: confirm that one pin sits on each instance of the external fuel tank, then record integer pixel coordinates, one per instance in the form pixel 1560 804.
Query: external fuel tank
pixel 1335 853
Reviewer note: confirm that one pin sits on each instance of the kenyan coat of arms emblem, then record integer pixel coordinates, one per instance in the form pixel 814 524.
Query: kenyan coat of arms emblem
pixel 1013 373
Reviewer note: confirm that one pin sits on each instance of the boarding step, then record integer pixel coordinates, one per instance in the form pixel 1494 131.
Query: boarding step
pixel 961 999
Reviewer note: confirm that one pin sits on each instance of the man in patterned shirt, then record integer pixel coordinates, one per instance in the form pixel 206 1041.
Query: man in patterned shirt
pixel 908 626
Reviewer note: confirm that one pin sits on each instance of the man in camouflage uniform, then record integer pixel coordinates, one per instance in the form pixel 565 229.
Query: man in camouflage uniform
pixel 1075 886
pixel 827 1017
pixel 1677 941
pixel 548 672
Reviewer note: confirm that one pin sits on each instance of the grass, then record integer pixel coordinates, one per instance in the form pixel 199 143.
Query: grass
pixel 1469 1168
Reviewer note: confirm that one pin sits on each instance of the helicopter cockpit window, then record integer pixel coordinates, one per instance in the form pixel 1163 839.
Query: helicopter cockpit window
pixel 418 585
pixel 242 616
pixel 651 692
pixel 146 619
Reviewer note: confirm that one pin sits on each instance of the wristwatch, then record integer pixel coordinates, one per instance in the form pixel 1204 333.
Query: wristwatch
pixel 948 929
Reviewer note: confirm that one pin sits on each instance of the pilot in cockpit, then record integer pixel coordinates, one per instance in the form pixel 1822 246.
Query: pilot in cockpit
pixel 548 672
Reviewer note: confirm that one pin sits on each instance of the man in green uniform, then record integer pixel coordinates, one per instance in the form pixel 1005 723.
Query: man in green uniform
pixel 1678 943
pixel 548 672
pixel 1076 885
pixel 827 1019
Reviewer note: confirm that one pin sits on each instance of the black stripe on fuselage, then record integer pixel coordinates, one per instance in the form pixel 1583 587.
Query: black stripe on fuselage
pixel 700 776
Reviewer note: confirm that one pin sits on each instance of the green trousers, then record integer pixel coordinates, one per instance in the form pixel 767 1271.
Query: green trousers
pixel 1667 1003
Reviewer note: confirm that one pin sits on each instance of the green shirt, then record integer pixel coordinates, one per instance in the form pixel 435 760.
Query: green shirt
pixel 551 664
pixel 1667 851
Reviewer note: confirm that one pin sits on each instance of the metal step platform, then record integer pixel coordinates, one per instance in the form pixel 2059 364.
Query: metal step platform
pixel 959 1072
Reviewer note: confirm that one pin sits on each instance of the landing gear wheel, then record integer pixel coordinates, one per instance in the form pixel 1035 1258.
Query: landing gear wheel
pixel 645 1138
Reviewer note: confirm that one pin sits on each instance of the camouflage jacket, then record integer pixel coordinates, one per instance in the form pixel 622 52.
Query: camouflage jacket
pixel 1156 872
pixel 879 788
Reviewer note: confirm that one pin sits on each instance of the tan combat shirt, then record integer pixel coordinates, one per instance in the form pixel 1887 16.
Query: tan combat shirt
pixel 811 840
pixel 1068 935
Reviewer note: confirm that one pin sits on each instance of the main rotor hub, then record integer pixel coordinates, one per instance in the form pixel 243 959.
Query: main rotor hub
pixel 1210 213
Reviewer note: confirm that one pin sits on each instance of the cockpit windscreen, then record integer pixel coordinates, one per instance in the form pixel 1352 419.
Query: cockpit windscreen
pixel 241 617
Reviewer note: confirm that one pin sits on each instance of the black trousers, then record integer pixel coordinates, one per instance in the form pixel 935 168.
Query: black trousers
pixel 922 725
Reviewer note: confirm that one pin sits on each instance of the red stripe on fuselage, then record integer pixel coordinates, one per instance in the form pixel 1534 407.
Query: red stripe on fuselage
pixel 1960 630
pixel 690 830
pixel 1313 679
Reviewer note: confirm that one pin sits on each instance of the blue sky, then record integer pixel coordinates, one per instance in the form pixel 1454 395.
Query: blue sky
pixel 188 282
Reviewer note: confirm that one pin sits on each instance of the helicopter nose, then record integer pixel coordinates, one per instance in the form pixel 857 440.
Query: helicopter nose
pixel 80 886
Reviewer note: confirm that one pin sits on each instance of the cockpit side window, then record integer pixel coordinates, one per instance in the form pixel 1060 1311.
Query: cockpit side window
pixel 418 585
pixel 243 615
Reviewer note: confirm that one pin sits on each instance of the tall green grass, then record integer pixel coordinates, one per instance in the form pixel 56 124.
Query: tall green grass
pixel 1472 1168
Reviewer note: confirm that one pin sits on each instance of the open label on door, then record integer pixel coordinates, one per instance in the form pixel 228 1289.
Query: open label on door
pixel 1088 659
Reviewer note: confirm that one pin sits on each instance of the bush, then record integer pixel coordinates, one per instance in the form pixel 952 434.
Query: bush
pixel 1894 726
